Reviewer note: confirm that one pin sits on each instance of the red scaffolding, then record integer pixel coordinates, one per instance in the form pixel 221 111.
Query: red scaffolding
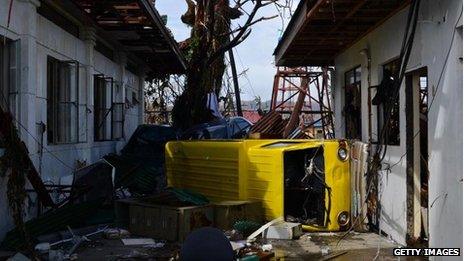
pixel 302 95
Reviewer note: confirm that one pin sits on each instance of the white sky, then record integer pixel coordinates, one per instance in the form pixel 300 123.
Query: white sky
pixel 255 53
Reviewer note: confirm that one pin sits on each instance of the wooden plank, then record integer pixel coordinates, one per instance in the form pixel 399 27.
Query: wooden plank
pixel 13 141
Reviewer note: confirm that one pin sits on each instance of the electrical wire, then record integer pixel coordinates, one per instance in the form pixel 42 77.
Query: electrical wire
pixel 314 171
pixel 446 60
pixel 34 138
pixel 432 99
pixel 244 72
pixel 406 48
pixel 407 44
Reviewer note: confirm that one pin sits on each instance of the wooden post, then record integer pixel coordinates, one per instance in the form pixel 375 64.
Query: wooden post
pixel 236 87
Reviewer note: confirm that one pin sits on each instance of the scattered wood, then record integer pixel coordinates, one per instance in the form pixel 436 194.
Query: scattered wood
pixel 264 227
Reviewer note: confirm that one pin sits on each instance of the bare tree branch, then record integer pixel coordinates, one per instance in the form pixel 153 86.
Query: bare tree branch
pixel 243 33
pixel 240 3
pixel 252 23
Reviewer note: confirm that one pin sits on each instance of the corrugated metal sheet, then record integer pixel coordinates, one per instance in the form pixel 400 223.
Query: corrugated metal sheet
pixel 271 123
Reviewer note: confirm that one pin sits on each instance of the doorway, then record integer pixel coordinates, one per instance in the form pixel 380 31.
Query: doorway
pixel 352 108
pixel 417 172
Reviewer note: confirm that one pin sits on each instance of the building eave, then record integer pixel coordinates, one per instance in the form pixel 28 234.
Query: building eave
pixel 320 30
pixel 134 27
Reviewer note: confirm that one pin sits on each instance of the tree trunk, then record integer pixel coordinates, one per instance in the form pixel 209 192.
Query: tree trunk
pixel 210 28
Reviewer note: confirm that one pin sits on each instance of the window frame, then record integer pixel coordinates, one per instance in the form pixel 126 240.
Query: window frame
pixel 358 84
pixel 10 77
pixel 397 108
pixel 119 103
pixel 53 101
pixel 100 123
pixel 111 110
pixel 4 75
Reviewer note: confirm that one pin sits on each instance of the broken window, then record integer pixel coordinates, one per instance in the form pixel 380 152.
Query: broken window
pixel 352 109
pixel 109 109
pixel 392 133
pixel 9 74
pixel 62 101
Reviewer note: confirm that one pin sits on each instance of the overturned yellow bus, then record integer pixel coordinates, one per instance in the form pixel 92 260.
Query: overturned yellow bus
pixel 306 181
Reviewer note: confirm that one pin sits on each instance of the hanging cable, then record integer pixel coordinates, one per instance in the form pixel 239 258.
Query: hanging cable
pixel 34 138
pixel 380 151
pixel 446 61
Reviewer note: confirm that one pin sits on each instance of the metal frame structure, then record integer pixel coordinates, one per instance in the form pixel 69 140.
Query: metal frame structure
pixel 303 93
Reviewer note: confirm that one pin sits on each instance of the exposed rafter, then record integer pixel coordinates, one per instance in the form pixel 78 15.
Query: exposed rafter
pixel 139 28
pixel 321 29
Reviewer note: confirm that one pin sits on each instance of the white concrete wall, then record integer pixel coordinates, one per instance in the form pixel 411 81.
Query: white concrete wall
pixel 133 83
pixel 39 38
pixel 435 29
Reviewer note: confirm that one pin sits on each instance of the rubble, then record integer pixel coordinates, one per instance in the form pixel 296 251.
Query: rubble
pixel 18 257
pixel 240 215
pixel 252 237
pixel 325 250
pixel 270 125
pixel 138 241
pixel 266 247
pixel 148 221
pixel 116 233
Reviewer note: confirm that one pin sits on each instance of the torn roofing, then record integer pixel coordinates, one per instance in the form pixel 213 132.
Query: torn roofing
pixel 319 29
pixel 134 25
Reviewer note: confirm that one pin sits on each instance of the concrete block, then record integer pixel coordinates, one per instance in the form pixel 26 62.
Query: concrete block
pixel 285 230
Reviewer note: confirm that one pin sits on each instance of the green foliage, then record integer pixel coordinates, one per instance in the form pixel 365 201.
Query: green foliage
pixel 194 43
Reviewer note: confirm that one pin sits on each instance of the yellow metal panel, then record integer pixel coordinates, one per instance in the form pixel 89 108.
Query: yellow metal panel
pixel 205 168
pixel 263 183
pixel 253 170
pixel 338 178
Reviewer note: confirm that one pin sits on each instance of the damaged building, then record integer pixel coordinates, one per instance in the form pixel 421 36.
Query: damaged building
pixel 72 75
pixel 359 155
pixel 418 188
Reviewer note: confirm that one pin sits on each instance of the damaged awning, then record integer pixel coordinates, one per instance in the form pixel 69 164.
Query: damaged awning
pixel 321 29
pixel 135 25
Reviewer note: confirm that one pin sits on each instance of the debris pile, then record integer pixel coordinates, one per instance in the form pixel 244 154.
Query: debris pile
pixel 272 126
